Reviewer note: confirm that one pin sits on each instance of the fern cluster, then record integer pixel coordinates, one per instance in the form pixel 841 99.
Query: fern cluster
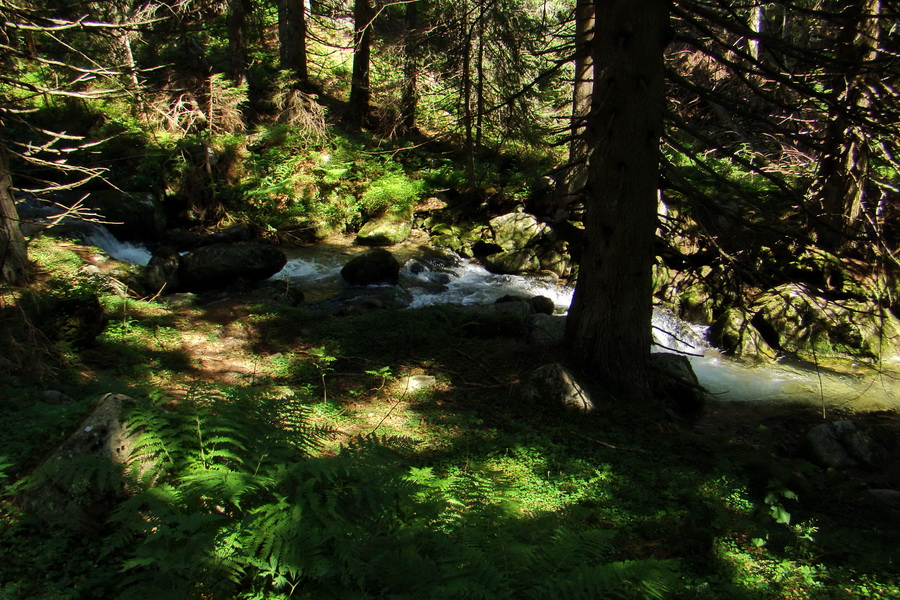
pixel 230 499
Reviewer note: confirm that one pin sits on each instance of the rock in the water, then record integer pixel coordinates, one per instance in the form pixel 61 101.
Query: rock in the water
pixel 386 229
pixel 795 320
pixel 542 305
pixel 374 266
pixel 512 261
pixel 557 384
pixel 678 384
pixel 733 333
pixel 842 444
pixel 161 272
pixel 218 265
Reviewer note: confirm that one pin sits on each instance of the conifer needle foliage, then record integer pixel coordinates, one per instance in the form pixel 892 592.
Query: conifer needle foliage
pixel 229 499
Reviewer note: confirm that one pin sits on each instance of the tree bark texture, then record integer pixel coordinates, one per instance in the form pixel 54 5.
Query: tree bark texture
pixel 292 38
pixel 608 333
pixel 13 251
pixel 581 99
pixel 358 105
pixel 410 99
pixel 237 40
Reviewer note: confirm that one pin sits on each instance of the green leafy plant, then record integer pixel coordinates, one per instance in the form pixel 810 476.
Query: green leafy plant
pixel 394 192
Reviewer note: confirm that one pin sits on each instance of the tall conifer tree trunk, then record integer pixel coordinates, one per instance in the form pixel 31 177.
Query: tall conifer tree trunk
pixel 292 38
pixel 410 99
pixel 576 177
pixel 13 251
pixel 608 334
pixel 358 105
pixel 237 39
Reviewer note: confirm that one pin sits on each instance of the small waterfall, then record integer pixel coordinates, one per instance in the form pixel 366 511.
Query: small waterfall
pixel 85 232
pixel 99 236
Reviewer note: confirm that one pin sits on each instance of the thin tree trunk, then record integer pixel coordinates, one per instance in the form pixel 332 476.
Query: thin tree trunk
pixel 358 105
pixel 479 82
pixel 410 70
pixel 13 250
pixel 608 333
pixel 237 42
pixel 292 39
pixel 469 150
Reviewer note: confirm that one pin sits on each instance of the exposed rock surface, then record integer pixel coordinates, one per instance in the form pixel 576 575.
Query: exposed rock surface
pixel 99 445
pixel 372 267
pixel 844 444
pixel 678 384
pixel 792 320
pixel 554 383
pixel 219 264
pixel 521 244
pixel 386 229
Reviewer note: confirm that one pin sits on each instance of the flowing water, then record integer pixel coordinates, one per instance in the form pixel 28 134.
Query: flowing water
pixel 431 278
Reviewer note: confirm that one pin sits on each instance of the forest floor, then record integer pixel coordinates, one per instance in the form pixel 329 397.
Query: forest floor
pixel 731 497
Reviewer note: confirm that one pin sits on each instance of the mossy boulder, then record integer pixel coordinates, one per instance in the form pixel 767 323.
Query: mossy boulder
pixel 389 228
pixel 512 261
pixel 524 245
pixel 797 321
pixel 734 334
pixel 518 230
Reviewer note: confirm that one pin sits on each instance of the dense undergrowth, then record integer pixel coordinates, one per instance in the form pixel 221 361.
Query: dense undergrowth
pixel 315 472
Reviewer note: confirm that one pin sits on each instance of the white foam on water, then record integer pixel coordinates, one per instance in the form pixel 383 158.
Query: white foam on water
pixel 125 251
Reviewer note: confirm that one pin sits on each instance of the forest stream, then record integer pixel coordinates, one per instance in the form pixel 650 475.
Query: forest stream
pixel 431 278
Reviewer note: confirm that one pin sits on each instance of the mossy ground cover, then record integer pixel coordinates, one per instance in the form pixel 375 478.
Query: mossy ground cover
pixel 463 489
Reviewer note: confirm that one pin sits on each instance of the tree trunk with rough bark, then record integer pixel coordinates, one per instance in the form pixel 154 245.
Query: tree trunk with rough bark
pixel 292 39
pixel 13 250
pixel 358 105
pixel 410 70
pixel 237 40
pixel 576 178
pixel 608 334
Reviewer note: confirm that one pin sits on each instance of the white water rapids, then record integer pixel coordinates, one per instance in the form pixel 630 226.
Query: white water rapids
pixel 432 280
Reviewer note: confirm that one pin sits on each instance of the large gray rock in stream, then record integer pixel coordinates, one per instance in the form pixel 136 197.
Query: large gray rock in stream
pixel 217 265
pixel 372 267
